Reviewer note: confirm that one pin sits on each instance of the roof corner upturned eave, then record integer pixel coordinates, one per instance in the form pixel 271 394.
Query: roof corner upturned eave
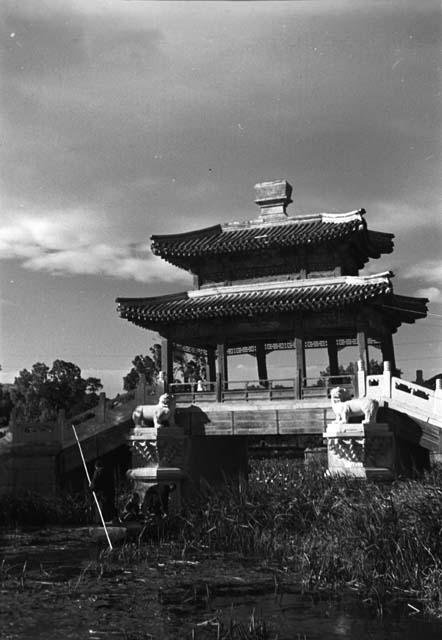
pixel 184 249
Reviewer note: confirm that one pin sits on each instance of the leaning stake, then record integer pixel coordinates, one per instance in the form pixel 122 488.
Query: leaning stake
pixel 93 492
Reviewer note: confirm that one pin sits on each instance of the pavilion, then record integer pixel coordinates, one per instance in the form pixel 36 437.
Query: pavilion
pixel 273 283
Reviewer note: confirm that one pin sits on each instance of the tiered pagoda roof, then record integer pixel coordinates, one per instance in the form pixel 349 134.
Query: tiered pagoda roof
pixel 250 300
pixel 308 231
pixel 275 265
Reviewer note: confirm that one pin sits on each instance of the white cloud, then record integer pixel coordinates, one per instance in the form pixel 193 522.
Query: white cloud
pixel 103 259
pixel 427 270
pixel 25 235
pixel 68 243
pixel 381 214
pixel 432 293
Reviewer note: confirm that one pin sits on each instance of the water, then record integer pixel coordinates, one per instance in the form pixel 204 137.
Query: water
pixel 56 584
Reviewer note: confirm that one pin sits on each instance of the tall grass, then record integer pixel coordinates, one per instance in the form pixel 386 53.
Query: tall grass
pixel 332 533
pixel 385 542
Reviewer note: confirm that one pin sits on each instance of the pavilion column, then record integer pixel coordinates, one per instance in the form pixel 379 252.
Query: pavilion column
pixel 167 362
pixel 362 339
pixel 333 356
pixel 211 366
pixel 261 361
pixel 300 365
pixel 221 362
pixel 387 349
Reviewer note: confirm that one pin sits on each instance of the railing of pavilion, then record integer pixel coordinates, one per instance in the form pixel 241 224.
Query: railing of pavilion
pixel 251 390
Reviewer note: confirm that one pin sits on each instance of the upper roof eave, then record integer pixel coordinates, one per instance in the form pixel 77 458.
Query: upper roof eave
pixel 196 233
pixel 241 237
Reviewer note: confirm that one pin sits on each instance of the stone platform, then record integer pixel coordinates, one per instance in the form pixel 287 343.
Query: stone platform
pixel 366 450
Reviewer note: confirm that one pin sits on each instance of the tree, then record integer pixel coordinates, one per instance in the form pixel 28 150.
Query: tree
pixel 350 370
pixel 5 405
pixel 143 365
pixel 40 393
pixel 185 367
pixel 189 368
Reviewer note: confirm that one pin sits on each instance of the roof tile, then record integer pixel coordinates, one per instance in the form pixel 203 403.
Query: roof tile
pixel 245 300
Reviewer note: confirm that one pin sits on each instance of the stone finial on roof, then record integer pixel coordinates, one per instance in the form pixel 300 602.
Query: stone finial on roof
pixel 273 197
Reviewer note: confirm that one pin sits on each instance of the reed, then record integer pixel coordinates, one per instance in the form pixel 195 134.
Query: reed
pixel 385 542
pixel 227 627
pixel 332 533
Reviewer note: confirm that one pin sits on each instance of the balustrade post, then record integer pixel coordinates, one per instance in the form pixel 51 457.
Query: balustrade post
pixel 386 380
pixel 437 398
pixel 362 380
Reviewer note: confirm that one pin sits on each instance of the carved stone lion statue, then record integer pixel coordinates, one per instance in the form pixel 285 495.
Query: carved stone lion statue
pixel 160 414
pixel 345 408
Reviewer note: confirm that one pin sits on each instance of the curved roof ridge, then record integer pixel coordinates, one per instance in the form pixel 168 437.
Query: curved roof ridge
pixel 335 218
pixel 180 295
pixel 378 278
pixel 186 234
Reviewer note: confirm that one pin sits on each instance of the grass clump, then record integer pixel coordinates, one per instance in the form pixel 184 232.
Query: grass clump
pixel 325 533
pixel 332 533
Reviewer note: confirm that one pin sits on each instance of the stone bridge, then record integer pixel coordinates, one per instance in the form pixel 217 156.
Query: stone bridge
pixel 34 455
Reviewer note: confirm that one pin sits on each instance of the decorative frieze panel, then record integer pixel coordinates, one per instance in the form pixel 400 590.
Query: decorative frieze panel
pixel 361 450
pixel 284 345
pixel 347 449
pixel 162 447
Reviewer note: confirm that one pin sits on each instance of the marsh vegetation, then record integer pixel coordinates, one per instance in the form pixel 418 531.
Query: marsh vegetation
pixel 289 532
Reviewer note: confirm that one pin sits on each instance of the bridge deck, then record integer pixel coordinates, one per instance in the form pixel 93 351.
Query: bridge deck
pixel 244 411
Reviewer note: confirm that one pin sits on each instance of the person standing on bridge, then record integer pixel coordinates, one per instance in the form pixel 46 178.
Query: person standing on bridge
pixel 103 483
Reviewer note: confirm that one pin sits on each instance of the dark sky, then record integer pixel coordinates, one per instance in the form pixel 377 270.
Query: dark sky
pixel 124 119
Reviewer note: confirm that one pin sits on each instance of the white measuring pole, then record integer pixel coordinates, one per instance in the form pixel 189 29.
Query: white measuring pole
pixel 93 492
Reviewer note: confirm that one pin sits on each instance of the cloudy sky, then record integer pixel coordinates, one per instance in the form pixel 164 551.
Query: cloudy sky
pixel 122 119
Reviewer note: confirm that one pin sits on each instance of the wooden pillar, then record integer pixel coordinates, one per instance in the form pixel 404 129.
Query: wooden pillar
pixel 363 348
pixel 333 356
pixel 300 365
pixel 210 366
pixel 225 367
pixel 261 361
pixel 221 364
pixel 387 349
pixel 167 362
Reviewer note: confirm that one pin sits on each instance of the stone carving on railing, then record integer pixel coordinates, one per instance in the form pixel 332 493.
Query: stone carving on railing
pixel 148 450
pixel 351 449
pixel 161 414
pixel 345 408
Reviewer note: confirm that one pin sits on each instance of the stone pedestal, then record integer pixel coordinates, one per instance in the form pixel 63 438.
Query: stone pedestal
pixel 365 450
pixel 159 456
